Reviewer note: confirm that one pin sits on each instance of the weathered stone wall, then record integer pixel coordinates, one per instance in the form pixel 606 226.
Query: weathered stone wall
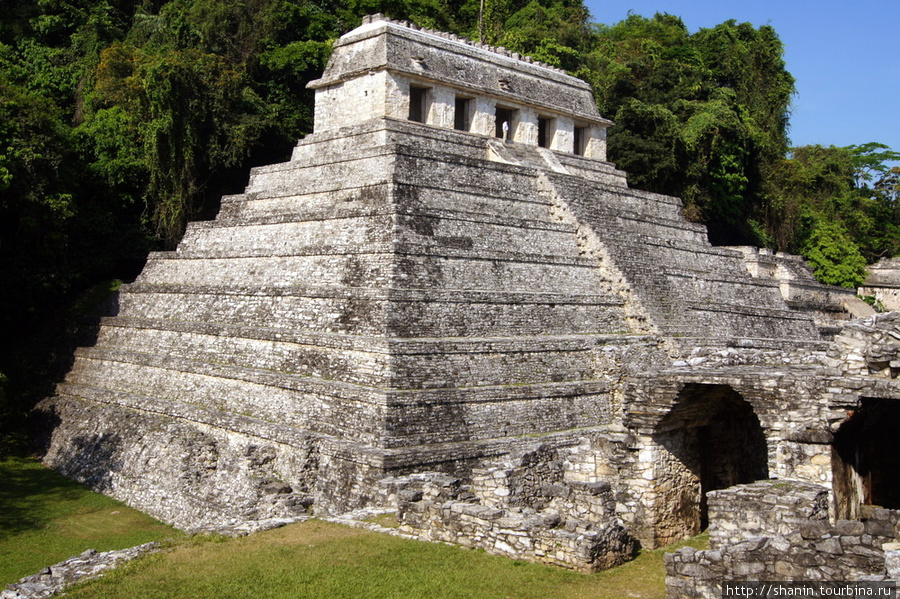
pixel 192 474
pixel 523 508
pixel 764 508
pixel 776 531
pixel 536 537
pixel 448 66
pixel 869 346
pixel 883 283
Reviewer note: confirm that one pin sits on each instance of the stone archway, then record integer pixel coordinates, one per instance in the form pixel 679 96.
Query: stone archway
pixel 711 439
pixel 866 458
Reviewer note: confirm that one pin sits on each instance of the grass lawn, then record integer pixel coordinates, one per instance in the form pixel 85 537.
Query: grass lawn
pixel 318 559
pixel 45 518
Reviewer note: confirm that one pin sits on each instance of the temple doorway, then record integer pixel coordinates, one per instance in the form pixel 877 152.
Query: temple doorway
pixel 711 439
pixel 866 458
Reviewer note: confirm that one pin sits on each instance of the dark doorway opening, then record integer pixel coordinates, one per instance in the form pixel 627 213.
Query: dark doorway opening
pixel 418 103
pixel 545 131
pixel 866 457
pixel 580 141
pixel 713 440
pixel 462 120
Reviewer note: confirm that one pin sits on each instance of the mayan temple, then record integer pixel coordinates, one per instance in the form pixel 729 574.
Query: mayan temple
pixel 448 303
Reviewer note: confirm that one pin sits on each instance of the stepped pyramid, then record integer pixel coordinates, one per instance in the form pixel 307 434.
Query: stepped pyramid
pixel 446 272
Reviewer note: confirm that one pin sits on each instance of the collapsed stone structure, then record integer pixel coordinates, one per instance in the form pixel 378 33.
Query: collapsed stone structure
pixel 883 283
pixel 449 303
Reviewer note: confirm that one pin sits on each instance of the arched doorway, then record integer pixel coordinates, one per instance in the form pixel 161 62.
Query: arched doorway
pixel 866 457
pixel 711 439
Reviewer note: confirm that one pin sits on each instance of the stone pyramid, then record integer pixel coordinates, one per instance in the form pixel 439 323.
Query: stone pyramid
pixel 446 271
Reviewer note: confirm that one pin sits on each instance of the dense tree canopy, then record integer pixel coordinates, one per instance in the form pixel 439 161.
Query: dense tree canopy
pixel 836 206
pixel 120 120
pixel 701 116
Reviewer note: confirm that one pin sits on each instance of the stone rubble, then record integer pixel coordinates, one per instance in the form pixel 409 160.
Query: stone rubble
pixel 90 564
pixel 779 531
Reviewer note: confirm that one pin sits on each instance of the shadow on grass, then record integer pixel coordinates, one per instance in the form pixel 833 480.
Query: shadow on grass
pixel 29 493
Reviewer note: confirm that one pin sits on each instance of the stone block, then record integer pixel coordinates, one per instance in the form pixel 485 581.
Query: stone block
pixel 879 528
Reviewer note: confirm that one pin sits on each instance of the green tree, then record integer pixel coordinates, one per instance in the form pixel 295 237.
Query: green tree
pixel 834 257
pixel 556 33
pixel 817 189
pixel 700 116
pixel 187 112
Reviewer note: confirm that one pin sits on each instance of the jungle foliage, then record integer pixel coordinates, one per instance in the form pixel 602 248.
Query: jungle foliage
pixel 120 120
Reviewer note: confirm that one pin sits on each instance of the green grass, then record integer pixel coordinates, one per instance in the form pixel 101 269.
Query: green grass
pixel 45 518
pixel 317 559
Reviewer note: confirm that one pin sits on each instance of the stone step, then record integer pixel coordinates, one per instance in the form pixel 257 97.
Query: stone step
pixel 322 269
pixel 394 163
pixel 238 422
pixel 662 267
pixel 364 166
pixel 397 346
pixel 409 418
pixel 635 228
pixel 730 319
pixel 598 198
pixel 294 210
pixel 375 234
pixel 401 295
pixel 789 317
pixel 419 201
pixel 317 413
pixel 681 261
pixel 413 363
pixel 400 400
pixel 500 270
pixel 397 457
pixel 662 283
pixel 379 313
pixel 337 357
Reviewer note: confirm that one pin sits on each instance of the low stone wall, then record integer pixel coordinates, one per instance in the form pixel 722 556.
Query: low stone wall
pixel 763 508
pixel 526 534
pixel 538 481
pixel 522 507
pixel 801 545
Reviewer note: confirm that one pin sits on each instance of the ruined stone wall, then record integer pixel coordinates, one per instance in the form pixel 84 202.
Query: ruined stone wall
pixel 883 283
pixel 764 508
pixel 869 346
pixel 776 531
pixel 523 508
pixel 533 537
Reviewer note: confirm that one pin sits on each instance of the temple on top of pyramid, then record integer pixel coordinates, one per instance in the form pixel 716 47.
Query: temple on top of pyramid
pixel 448 304
pixel 384 69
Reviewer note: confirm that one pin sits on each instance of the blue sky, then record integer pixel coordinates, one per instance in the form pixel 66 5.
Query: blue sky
pixel 845 57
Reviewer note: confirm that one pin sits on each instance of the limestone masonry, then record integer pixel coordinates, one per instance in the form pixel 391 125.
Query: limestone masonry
pixel 449 304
